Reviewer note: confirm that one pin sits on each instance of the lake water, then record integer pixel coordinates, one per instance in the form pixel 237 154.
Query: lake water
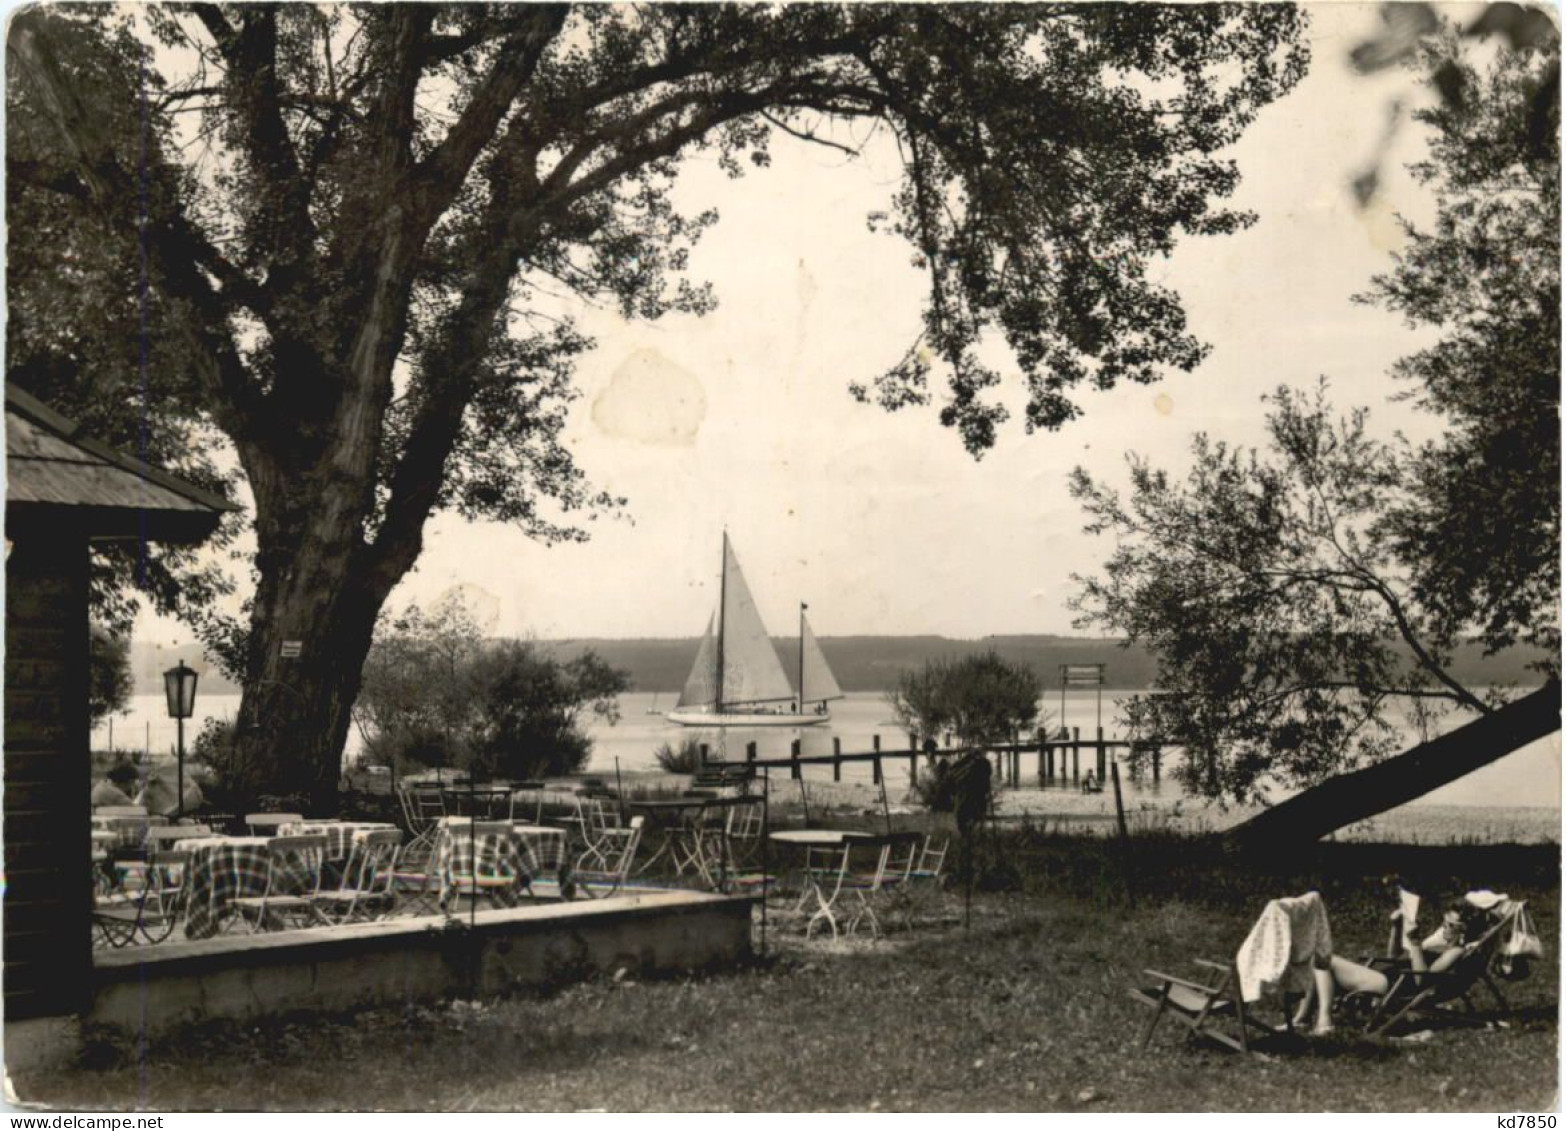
pixel 1528 778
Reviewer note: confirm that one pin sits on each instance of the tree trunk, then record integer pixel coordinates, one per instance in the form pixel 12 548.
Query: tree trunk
pixel 1351 797
pixel 310 630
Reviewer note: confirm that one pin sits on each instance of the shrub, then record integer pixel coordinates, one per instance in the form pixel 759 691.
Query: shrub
pixel 234 783
pixel 682 759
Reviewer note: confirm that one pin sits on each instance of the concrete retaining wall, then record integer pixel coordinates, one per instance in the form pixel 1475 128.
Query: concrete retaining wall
pixel 151 989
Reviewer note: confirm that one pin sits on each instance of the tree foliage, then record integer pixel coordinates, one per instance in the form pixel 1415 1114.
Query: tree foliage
pixel 977 699
pixel 436 693
pixel 1292 595
pixel 363 228
pixel 109 680
pixel 1268 587
pixel 1480 530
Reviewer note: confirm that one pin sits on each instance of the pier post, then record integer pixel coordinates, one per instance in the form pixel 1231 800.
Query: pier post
pixel 1158 756
pixel 701 755
pixel 1047 753
pixel 875 766
pixel 1076 755
pixel 837 758
pixel 1103 755
pixel 1043 752
pixel 793 753
pixel 750 752
pixel 913 759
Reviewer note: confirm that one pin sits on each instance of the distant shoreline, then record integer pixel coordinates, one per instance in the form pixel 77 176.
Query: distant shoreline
pixel 660 665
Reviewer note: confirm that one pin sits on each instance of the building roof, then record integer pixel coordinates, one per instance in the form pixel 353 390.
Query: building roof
pixel 51 464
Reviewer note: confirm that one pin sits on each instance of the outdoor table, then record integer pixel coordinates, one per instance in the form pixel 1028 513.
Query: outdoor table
pixel 681 840
pixel 493 802
pixel 525 853
pixel 340 836
pixel 809 839
pixel 225 868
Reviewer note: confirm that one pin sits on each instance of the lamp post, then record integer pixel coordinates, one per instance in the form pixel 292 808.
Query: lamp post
pixel 179 685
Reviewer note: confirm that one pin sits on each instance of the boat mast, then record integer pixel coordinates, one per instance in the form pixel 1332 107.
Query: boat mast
pixel 723 581
pixel 802 608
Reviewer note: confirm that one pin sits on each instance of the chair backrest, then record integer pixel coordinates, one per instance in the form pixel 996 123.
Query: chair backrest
pixel 902 855
pixel 272 821
pixel 166 872
pixel 745 819
pixel 372 862
pixel 630 839
pixel 294 865
pixel 1475 962
pixel 932 860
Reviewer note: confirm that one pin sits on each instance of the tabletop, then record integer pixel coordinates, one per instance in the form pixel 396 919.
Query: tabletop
pixel 819 838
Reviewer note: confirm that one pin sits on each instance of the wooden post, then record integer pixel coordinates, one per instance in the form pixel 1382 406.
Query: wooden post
pixel 750 752
pixel 1049 764
pixel 793 753
pixel 1043 751
pixel 701 755
pixel 837 758
pixel 1102 754
pixel 1076 755
pixel 1158 756
pixel 875 767
pixel 1120 809
pixel 913 759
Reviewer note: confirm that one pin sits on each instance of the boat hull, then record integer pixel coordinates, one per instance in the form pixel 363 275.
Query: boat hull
pixel 695 717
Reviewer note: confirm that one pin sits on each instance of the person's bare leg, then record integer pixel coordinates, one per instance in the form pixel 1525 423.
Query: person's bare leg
pixel 1324 990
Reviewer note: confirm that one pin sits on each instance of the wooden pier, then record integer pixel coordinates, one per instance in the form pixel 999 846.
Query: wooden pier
pixel 1058 760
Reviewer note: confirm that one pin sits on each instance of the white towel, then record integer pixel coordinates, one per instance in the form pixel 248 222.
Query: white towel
pixel 1290 938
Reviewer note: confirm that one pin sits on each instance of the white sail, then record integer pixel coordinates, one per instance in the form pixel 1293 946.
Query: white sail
pixel 818 684
pixel 752 672
pixel 699 684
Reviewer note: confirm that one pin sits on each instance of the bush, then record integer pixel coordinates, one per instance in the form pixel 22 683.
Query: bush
pixel 436 693
pixel 682 759
pixel 234 783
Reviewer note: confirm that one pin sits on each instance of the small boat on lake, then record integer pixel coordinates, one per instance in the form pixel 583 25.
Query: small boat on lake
pixel 738 680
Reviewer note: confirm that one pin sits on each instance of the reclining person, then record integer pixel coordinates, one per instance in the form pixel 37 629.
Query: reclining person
pixel 1347 976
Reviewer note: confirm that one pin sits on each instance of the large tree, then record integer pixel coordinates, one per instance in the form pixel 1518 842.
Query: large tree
pixel 354 240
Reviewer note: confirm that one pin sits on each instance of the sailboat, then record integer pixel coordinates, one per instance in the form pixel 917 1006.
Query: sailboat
pixel 737 679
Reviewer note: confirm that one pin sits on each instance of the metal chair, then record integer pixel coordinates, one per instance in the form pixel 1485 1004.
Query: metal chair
pixel 617 850
pixel 369 879
pixel 293 880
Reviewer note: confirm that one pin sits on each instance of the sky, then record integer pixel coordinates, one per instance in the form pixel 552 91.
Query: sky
pixel 741 420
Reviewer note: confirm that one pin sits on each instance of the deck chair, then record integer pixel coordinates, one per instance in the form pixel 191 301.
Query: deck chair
pixel 1436 992
pixel 1210 1007
pixel 617 850
pixel 368 890
pixel 293 880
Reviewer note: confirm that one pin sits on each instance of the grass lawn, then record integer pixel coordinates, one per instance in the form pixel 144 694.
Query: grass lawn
pixel 1028 1010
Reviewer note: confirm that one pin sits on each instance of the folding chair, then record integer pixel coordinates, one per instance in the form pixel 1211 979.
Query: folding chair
pixel 1434 992
pixel 841 879
pixel 293 880
pixel 617 850
pixel 369 877
pixel 1203 1007
pixel 151 911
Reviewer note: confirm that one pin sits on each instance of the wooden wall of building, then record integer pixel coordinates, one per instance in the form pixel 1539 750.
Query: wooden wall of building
pixel 48 859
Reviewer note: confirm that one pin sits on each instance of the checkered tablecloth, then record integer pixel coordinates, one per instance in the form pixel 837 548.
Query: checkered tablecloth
pixel 340 835
pixel 527 852
pixel 223 869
